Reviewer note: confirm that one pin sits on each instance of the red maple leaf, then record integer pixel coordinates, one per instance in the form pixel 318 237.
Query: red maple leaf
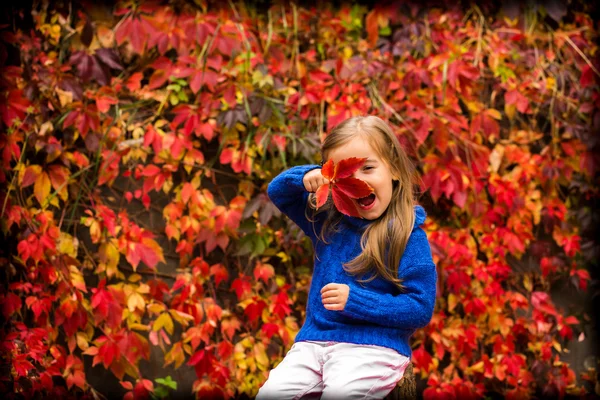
pixel 13 105
pixel 202 361
pixel 220 273
pixel 241 286
pixel 343 186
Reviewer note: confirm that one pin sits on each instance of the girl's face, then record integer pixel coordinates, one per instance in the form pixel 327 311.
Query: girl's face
pixel 374 171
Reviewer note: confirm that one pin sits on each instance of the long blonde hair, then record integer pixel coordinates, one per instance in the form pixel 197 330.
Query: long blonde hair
pixel 389 233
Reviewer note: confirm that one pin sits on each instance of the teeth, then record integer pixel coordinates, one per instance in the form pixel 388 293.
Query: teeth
pixel 365 201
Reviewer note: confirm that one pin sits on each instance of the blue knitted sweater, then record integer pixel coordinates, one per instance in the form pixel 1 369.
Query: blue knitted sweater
pixel 376 313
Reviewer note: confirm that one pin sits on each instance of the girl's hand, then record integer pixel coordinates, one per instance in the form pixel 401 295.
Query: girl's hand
pixel 335 296
pixel 313 179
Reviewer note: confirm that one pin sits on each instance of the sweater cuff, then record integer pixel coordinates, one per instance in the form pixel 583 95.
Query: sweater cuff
pixel 360 299
pixel 297 173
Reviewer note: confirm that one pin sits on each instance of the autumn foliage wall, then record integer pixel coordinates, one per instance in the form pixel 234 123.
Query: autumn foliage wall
pixel 137 142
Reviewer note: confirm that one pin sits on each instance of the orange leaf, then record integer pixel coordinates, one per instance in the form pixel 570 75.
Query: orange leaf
pixel 41 189
pixel 322 194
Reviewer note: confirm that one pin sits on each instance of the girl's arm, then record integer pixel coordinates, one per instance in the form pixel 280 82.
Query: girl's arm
pixel 289 195
pixel 411 309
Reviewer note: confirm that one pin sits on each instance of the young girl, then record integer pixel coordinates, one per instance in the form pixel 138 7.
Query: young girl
pixel 374 279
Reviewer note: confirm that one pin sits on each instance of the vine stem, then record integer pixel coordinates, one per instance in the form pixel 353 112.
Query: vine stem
pixel 581 53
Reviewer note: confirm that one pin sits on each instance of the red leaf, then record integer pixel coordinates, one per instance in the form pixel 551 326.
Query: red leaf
pixel 345 168
pixel 108 353
pixel 58 176
pixel 10 304
pixel 352 187
pixel 587 76
pixel 104 101
pixel 343 185
pixel 242 286
pixel 343 203
pixel 542 302
pixel 13 105
pixel 263 272
pixel 270 329
pixel 372 25
pixel 206 77
pixel 220 273
pixel 254 310
pixel 202 361
pixel 230 326
pixel 141 391
pixel 422 359
pixel 127 385
pixel 322 194
pixel 208 390
pixel 328 170
pixel 30 175
pixel 282 303
pixel 133 83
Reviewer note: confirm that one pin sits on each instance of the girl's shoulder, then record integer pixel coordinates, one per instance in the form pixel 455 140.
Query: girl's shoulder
pixel 418 236
pixel 420 216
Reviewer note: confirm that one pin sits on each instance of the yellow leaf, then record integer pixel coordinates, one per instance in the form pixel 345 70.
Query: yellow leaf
pixel 496 157
pixel 134 278
pixel 452 301
pixel 143 288
pixel 284 257
pixel 134 301
pixel 175 355
pixel 53 201
pixel 510 110
pixel 476 367
pixel 65 97
pixel 41 188
pixel 181 317
pixel 280 280
pixel 527 283
pixel 556 346
pixel 164 321
pixel 46 127
pixel 67 244
pixel 347 52
pixel 109 257
pixel 105 36
pixel 156 308
pixel 261 356
pixel 492 112
pixel 506 326
pixel 82 341
pixel 77 278
pixel 139 327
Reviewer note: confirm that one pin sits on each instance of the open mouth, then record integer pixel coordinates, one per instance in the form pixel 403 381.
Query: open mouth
pixel 366 202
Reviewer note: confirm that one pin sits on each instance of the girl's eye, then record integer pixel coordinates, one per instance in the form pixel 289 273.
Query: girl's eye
pixel 368 167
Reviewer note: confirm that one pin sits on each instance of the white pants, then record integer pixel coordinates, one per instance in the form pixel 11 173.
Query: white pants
pixel 333 370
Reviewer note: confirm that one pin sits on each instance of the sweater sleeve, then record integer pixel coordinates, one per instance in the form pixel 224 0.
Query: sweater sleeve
pixel 411 309
pixel 289 195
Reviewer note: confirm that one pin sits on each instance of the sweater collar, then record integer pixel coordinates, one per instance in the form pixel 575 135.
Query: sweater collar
pixel 356 222
pixel 361 223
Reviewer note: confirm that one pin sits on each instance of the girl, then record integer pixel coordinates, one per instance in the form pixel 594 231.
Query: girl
pixel 374 279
